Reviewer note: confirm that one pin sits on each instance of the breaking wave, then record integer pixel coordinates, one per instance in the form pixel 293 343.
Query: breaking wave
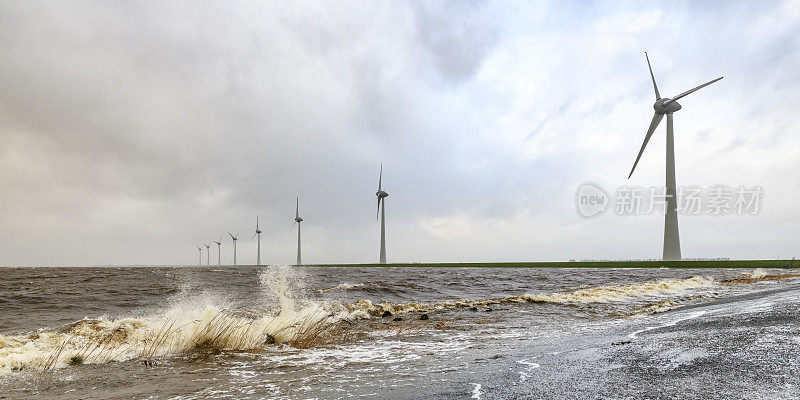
pixel 185 328
pixel 195 328
pixel 343 286
pixel 758 275
pixel 598 294
pixel 605 294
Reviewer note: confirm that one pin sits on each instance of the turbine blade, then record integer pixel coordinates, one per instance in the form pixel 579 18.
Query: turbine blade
pixel 290 229
pixel 653 125
pixel 379 209
pixel 380 177
pixel 658 96
pixel 251 238
pixel 691 90
pixel 256 221
pixel 297 209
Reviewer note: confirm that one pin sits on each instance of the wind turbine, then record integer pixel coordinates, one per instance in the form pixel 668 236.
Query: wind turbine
pixel 297 220
pixel 382 195
pixel 219 251
pixel 200 255
pixel 235 238
pixel 672 243
pixel 208 253
pixel 258 233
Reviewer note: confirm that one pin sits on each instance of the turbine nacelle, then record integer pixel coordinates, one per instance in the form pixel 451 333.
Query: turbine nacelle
pixel 665 106
pixel 298 219
pixel 381 194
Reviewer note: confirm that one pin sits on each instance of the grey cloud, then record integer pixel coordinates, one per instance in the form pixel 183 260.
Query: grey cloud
pixel 166 124
pixel 457 35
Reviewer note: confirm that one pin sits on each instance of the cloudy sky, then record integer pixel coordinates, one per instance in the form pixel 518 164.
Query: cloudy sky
pixel 130 131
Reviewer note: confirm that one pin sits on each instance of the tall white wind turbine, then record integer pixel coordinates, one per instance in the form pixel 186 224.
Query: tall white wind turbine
pixel 662 106
pixel 208 253
pixel 258 233
pixel 382 195
pixel 234 238
pixel 297 220
pixel 199 255
pixel 219 251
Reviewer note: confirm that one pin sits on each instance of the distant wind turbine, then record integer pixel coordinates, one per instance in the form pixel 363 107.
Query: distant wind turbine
pixel 672 243
pixel 219 251
pixel 382 195
pixel 258 233
pixel 235 238
pixel 297 220
pixel 208 253
pixel 200 255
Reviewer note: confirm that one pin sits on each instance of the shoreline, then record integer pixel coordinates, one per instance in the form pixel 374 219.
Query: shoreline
pixel 519 264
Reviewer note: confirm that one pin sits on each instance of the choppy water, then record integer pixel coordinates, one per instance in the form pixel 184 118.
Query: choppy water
pixel 288 332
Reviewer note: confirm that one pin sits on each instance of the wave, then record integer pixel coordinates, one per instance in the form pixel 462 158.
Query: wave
pixel 186 328
pixel 758 275
pixel 605 294
pixel 343 286
pixel 198 327
pixel 598 294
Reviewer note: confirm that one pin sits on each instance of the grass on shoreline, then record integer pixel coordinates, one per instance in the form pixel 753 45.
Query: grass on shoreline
pixel 594 264
pixel 533 264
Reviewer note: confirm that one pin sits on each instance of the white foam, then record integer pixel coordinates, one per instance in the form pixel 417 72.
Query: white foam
pixel 757 273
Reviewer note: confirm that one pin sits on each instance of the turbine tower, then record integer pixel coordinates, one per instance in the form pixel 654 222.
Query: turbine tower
pixel 219 251
pixel 199 255
pixel 258 233
pixel 235 238
pixel 297 220
pixel 382 195
pixel 208 253
pixel 662 106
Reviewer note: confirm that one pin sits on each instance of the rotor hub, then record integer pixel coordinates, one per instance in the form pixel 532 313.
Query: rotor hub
pixel 667 108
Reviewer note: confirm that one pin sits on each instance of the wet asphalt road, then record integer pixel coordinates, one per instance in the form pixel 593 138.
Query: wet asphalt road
pixel 741 347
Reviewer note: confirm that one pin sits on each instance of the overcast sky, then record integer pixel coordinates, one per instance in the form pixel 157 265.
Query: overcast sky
pixel 131 131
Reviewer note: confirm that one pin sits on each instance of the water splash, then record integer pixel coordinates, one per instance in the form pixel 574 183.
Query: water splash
pixel 189 327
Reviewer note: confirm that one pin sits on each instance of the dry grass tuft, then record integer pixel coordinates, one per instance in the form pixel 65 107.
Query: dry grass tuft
pixel 49 363
pixel 228 331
